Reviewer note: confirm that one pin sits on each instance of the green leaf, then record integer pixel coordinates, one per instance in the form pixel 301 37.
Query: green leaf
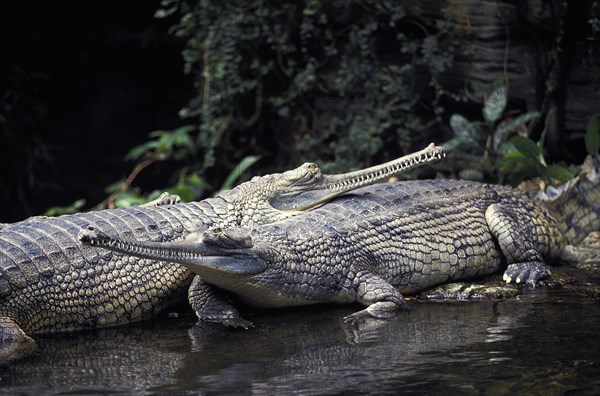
pixel 518 167
pixel 592 135
pixel 164 144
pixel 549 123
pixel 527 147
pixel 182 138
pixel 114 187
pixel 558 172
pixel 283 111
pixel 69 209
pixel 127 199
pixel 189 187
pixel 495 105
pixel 139 151
pixel 466 133
pixel 240 168
pixel 463 128
pixel 506 127
pixel 185 192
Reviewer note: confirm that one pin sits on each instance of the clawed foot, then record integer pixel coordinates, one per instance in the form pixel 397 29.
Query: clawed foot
pixel 213 306
pixel 224 323
pixel 365 326
pixel 529 273
pixel 357 317
pixel 164 199
pixel 227 319
pixel 14 343
pixel 238 322
pixel 380 310
pixel 364 331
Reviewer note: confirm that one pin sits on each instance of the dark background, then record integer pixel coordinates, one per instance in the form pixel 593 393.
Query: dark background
pixel 83 82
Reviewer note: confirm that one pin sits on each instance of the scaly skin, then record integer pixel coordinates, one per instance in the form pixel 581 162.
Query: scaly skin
pixel 383 240
pixel 50 282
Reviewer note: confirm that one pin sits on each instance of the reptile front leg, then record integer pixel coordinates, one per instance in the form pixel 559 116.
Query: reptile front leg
pixel 381 298
pixel 509 227
pixel 164 199
pixel 14 343
pixel 212 305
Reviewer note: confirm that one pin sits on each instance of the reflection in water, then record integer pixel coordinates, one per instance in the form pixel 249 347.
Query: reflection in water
pixel 314 352
pixel 117 359
pixel 526 346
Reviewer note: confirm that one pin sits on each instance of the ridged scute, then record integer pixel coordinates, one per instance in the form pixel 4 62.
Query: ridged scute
pixel 49 281
pixel 577 201
pixel 370 245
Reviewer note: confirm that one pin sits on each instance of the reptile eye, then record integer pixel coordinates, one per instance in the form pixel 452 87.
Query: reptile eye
pixel 217 231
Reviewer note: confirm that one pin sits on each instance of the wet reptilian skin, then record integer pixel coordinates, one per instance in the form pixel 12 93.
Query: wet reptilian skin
pixel 63 287
pixel 406 237
pixel 49 282
pixel 371 245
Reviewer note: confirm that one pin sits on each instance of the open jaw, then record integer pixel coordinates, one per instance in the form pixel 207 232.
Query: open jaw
pixel 312 189
pixel 208 254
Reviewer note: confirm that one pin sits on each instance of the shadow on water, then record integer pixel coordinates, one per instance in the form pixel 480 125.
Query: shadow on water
pixel 519 346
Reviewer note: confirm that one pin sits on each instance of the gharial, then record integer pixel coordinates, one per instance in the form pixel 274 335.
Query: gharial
pixel 50 282
pixel 373 244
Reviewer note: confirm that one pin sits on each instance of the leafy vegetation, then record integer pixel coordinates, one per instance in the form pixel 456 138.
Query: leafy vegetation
pixel 342 83
pixel 314 67
pixel 292 82
pixel 525 158
pixel 592 135
pixel 502 147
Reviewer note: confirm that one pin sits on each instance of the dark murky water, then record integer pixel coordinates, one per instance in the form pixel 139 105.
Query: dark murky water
pixel 541 343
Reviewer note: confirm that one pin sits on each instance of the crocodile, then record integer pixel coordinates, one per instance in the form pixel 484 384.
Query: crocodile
pixel 379 242
pixel 50 283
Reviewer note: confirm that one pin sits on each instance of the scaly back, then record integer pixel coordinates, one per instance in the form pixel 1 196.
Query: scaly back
pixel 578 201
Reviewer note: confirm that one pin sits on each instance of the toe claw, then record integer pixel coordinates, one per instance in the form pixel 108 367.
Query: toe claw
pixel 356 317
pixel 528 272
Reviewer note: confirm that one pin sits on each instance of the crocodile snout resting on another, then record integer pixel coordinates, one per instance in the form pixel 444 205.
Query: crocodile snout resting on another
pixel 377 242
pixel 50 282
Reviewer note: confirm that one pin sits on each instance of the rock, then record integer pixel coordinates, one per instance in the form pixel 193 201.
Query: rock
pixel 491 288
pixel 581 278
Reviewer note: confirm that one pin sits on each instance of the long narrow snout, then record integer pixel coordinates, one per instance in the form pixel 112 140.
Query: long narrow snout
pixel 330 186
pixel 214 250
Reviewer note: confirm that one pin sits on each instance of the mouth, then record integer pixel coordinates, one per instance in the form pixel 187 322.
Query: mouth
pixel 330 186
pixel 234 264
pixel 217 254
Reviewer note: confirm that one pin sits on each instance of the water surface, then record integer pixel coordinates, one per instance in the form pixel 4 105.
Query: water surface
pixel 540 343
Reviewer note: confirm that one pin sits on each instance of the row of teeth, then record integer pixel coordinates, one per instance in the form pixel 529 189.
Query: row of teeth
pixel 129 248
pixel 404 165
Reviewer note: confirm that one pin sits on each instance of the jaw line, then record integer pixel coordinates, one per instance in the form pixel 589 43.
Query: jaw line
pixel 244 265
pixel 330 186
pixel 195 255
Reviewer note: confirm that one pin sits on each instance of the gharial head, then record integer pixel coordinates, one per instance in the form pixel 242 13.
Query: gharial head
pixel 306 187
pixel 587 182
pixel 228 258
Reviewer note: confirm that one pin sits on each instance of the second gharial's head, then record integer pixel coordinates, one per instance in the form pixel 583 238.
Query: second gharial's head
pixel 281 195
pixel 260 268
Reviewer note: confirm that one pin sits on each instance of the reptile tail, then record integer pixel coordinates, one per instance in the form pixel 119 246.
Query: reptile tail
pixel 578 201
